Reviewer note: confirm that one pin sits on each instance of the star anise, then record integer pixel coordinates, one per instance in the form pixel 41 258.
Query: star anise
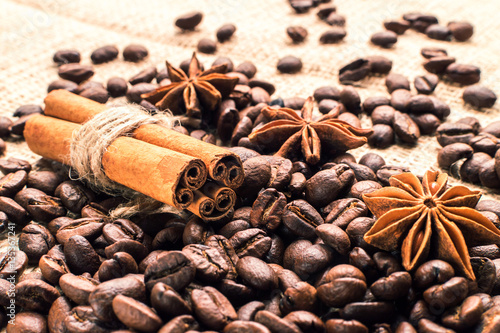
pixel 288 130
pixel 428 216
pixel 193 93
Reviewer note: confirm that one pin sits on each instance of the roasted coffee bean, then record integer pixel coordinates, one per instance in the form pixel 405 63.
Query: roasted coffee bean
pixel 75 72
pixel 368 312
pixel 306 321
pixel 77 287
pixel 89 228
pixel 405 128
pixel 267 86
pixel 88 85
pixel 45 208
pixel 17 128
pixel 426 122
pixel 227 122
pixel 146 75
pixel 328 105
pixel 295 103
pixel 247 68
pixel 247 312
pixel 420 104
pixel 267 209
pixel 35 240
pixel 210 265
pixel 237 293
pixel 349 97
pixel 426 84
pixel 260 95
pixel 382 137
pixel 335 19
pixel 173 268
pixel 207 45
pixel 448 133
pixel 136 249
pixel 430 52
pixel 12 183
pixel 333 35
pixel 326 185
pixel 398 26
pixel 359 258
pixel 117 87
pixel 343 284
pixel 101 298
pixel 212 308
pixel 488 175
pixel 5 124
pixel 363 187
pixel 439 64
pixel 485 142
pixel 379 64
pixel 59 310
pixel 325 11
pixel 46 181
pixel 180 324
pixel 118 266
pixel 464 316
pixel 66 56
pixel 104 54
pixel 74 196
pixel 35 295
pixel 13 164
pixel 479 96
pixel 80 256
pixel 167 302
pixel 122 229
pixel 425 325
pixel 12 263
pixel 27 322
pixel 439 32
pixel 341 212
pixel 281 172
pixel 471 168
pixel 461 31
pixel 301 218
pixel 240 326
pixel 296 33
pixel 400 99
pixel 189 20
pixel 225 32
pixel 372 160
pixel 83 319
pixel 289 64
pixel 256 273
pixel 14 211
pixel 452 153
pixel 493 128
pixel 326 92
pixel 23 110
pixel 383 114
pixel 257 174
pixel 196 231
pixel 275 323
pixel 313 259
pixel 135 315
pixel 299 296
pixel 442 296
pixel 170 238
pixel 463 74
pixel 251 242
pixel 334 237
pixel 390 288
pixel 135 53
pixel 396 81
pixel 62 84
pixel 385 39
pixel 387 171
pixel 485 271
pixel 354 71
pixel 297 184
pixel 420 21
pixel 431 272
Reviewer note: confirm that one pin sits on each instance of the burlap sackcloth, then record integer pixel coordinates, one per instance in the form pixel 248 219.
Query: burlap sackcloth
pixel 33 30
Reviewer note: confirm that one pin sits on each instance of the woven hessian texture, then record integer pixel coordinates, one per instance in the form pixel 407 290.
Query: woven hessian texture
pixel 31 32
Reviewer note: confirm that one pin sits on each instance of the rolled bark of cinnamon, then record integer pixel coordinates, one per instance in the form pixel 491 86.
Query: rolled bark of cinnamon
pixel 223 166
pixel 126 161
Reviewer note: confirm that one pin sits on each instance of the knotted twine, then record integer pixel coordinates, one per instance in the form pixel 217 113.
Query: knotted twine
pixel 92 140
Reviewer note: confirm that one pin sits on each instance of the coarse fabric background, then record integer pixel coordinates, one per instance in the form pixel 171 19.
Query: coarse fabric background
pixel 32 30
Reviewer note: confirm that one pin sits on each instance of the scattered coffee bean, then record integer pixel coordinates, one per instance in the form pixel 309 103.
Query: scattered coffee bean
pixel 225 32
pixel 385 39
pixel 462 31
pixel 297 33
pixel 289 65
pixel 333 36
pixel 66 56
pixel 135 53
pixel 463 74
pixel 189 21
pixel 479 96
pixel 397 26
pixel 104 54
pixel 207 45
pixel 76 72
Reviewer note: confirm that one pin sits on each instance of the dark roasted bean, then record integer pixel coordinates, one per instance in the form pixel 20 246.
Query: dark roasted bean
pixel 135 53
pixel 384 39
pixel 104 54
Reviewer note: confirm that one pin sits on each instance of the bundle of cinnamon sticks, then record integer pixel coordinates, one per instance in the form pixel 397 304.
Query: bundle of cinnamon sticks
pixel 168 166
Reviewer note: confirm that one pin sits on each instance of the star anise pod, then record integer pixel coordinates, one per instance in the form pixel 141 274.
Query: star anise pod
pixel 428 216
pixel 193 93
pixel 290 131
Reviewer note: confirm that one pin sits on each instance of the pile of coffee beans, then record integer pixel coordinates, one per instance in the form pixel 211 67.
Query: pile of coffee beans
pixel 470 151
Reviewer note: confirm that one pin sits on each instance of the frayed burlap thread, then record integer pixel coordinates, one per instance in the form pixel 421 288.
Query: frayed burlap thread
pixel 91 141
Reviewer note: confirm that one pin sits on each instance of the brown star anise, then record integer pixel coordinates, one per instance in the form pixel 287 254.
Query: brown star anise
pixel 193 93
pixel 426 216
pixel 288 130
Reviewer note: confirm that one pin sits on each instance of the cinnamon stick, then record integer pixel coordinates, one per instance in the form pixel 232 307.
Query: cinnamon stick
pixel 223 166
pixel 143 167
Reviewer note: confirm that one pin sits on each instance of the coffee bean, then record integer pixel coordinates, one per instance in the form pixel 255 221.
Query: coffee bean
pixel 27 322
pixel 335 19
pixel 312 260
pixel 387 171
pixel 135 53
pixel 333 35
pixel 289 64
pixel 118 266
pixel 80 255
pixel 77 287
pixel 146 75
pixel 74 196
pixel 448 133
pixel 382 136
pixel 117 87
pixel 173 268
pixel 425 325
pixel 379 64
pixel 383 114
pixel 89 228
pixel 189 20
pixel 420 104
pixel 426 84
pixel 35 295
pixel 35 240
pixel 14 211
pixel 488 176
pixel 83 319
pixel 341 212
pixel 354 71
pixel 306 321
pixel 13 183
pixel 207 45
pixel 167 302
pixel 135 314
pixel 247 68
pixel 210 265
pixel 104 54
pixel 390 288
pixel 462 31
pixel 492 128
pixel 326 92
pixel 430 52
pixel 398 26
pixel 17 127
pixel 66 56
pixel 62 84
pixel 448 294
pixel 180 324
pixel 427 122
pixel 368 312
pixel 325 11
pixel 405 128
pixel 267 209
pixel 463 74
pixel 439 32
pixel 76 72
pixel 438 64
pixel 301 6
pixel 470 169
pixel 452 153
pixel 24 110
pixel 396 81
pixel 464 316
pixel 12 263
pixel 196 231
pixel 485 142
pixel 479 96
pixel 326 185
pixel 297 33
pixel 334 237
pixel 59 310
pixel 420 21
pixel 385 39
pixel 225 32
pixel 212 308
